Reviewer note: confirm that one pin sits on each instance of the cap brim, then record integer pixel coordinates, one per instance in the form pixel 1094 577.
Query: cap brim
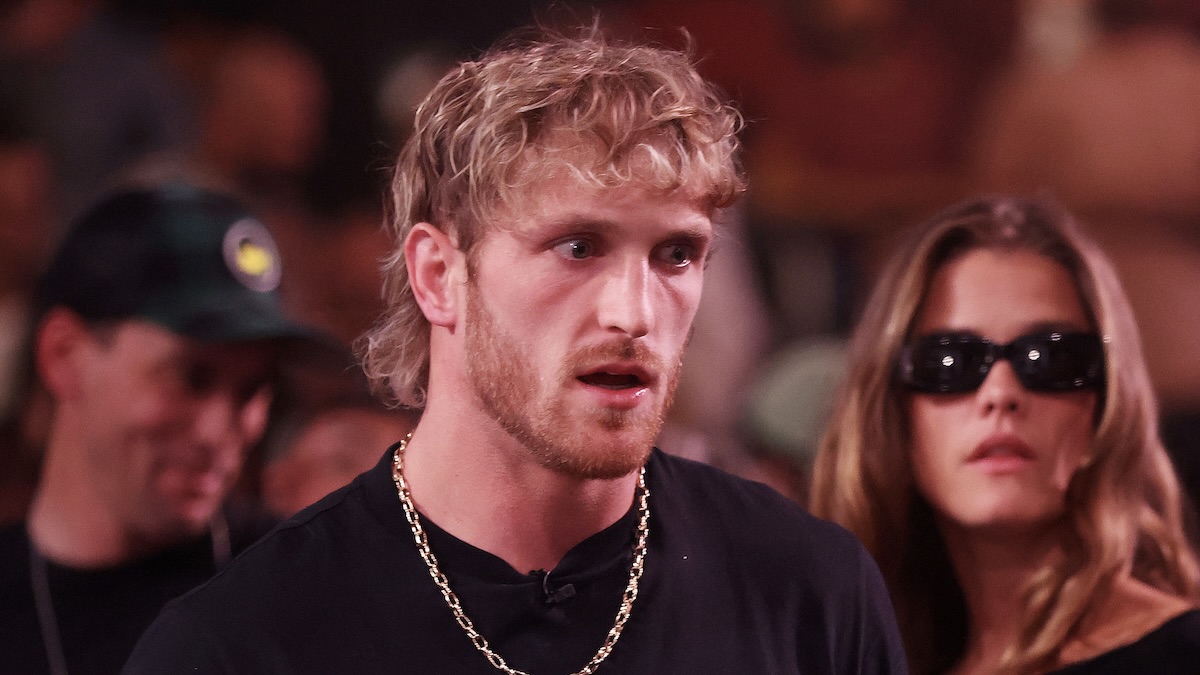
pixel 233 317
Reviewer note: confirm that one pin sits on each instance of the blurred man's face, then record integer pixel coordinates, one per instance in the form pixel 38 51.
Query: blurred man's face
pixel 334 447
pixel 167 423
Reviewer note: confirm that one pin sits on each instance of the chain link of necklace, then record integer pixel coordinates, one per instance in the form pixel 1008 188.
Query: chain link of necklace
pixel 443 584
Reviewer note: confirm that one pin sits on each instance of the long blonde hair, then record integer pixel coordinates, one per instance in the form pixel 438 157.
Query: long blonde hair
pixel 1125 510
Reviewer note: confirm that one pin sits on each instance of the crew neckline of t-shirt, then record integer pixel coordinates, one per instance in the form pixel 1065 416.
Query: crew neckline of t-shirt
pixel 590 558
pixel 140 566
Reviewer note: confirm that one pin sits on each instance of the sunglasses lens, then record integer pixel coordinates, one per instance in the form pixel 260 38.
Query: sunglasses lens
pixel 952 363
pixel 1058 361
pixel 945 363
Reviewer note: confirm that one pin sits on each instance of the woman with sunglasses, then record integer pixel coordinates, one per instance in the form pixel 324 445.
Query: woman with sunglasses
pixel 995 447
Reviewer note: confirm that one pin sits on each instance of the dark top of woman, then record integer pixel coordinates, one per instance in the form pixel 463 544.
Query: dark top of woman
pixel 1173 647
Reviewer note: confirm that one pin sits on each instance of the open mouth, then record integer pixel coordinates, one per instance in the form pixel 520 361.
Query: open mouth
pixel 1002 446
pixel 1001 452
pixel 615 381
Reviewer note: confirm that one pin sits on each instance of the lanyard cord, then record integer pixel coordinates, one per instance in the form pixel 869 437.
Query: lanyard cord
pixel 39 581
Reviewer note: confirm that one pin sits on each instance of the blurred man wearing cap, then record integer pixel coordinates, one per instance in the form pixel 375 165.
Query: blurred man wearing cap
pixel 157 340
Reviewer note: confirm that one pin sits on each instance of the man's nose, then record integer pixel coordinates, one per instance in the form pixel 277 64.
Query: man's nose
pixel 219 426
pixel 625 304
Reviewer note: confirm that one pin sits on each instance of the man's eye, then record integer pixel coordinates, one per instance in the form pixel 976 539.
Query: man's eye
pixel 677 255
pixel 198 378
pixel 247 391
pixel 576 249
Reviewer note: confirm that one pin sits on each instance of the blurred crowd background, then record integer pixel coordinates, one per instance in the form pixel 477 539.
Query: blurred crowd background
pixel 863 117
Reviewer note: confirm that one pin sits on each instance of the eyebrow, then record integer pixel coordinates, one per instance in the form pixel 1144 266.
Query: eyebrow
pixel 1038 327
pixel 604 225
pixel 1053 327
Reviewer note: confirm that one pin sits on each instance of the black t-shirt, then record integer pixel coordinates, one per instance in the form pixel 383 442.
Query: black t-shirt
pixel 737 580
pixel 99 612
pixel 1170 649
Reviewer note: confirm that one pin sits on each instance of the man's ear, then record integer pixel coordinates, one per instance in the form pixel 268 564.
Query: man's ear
pixel 436 273
pixel 57 351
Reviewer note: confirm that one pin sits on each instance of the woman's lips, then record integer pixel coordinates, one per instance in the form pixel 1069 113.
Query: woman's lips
pixel 1002 453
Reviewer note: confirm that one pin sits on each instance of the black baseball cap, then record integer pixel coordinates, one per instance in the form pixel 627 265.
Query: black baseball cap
pixel 193 261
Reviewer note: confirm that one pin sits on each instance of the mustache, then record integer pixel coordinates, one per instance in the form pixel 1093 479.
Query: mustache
pixel 623 350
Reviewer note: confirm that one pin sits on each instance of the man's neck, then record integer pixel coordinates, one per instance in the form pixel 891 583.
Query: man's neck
pixel 69 521
pixel 480 485
pixel 68 535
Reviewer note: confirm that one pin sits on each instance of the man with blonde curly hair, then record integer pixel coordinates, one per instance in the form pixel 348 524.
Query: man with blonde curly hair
pixel 552 217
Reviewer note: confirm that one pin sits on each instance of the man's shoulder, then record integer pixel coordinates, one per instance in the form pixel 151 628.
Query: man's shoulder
pixel 247 522
pixel 20 639
pixel 295 553
pixel 14 564
pixel 739 544
pixel 14 552
pixel 717 493
pixel 321 572
pixel 746 514
pixel 13 536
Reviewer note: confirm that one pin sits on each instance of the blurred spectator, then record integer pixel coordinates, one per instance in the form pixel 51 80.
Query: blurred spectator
pixel 789 407
pixel 97 87
pixel 262 115
pixel 355 45
pixel 315 452
pixel 406 82
pixel 158 336
pixel 26 231
pixel 26 197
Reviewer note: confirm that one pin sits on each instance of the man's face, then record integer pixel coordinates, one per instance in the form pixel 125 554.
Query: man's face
pixel 167 422
pixel 578 310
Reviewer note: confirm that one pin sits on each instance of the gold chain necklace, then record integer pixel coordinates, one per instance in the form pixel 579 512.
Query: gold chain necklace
pixel 443 584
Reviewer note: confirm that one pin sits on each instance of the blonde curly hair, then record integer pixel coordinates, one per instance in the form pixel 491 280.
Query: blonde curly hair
pixel 610 114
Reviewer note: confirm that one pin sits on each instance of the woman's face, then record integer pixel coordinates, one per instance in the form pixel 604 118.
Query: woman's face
pixel 1002 455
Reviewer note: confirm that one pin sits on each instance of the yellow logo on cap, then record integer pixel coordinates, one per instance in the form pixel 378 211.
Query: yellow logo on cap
pixel 251 255
pixel 253 259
